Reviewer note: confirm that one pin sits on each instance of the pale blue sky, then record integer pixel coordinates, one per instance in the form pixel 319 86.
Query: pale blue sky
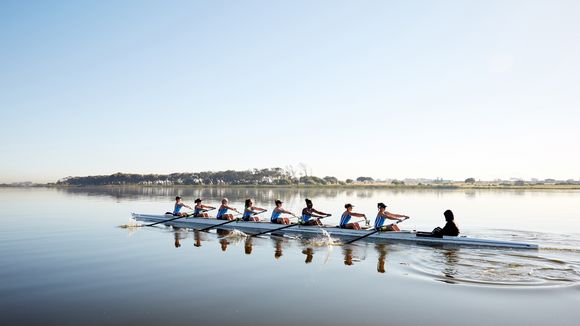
pixel 388 89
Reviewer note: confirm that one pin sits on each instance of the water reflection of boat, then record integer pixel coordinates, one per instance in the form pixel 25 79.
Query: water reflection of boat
pixel 223 234
pixel 410 236
pixel 278 248
pixel 309 252
pixel 347 256
pixel 179 234
pixel 451 259
pixel 248 246
pixel 382 250
pixel 196 238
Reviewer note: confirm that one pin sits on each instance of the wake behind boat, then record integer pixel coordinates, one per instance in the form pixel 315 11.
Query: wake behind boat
pixel 265 227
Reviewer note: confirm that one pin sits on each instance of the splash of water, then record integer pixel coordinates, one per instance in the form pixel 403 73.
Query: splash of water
pixel 132 226
pixel 330 245
pixel 235 233
pixel 329 239
pixel 323 241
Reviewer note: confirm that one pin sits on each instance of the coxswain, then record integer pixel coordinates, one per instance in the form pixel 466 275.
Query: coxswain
pixel 450 228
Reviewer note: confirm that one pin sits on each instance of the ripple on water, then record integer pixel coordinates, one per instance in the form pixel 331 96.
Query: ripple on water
pixel 486 266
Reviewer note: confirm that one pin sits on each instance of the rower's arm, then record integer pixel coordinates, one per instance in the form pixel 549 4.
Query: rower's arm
pixel 319 212
pixel 392 216
pixel 232 208
pixel 358 215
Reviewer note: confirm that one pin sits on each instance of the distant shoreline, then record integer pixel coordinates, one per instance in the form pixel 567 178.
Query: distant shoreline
pixel 449 186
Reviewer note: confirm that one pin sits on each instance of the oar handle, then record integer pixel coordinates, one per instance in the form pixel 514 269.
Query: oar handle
pixel 367 221
pixel 320 216
pixel 399 221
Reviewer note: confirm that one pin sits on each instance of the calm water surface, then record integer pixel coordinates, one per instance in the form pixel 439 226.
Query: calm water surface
pixel 64 261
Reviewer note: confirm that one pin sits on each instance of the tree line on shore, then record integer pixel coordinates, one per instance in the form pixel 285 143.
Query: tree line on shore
pixel 279 176
pixel 268 176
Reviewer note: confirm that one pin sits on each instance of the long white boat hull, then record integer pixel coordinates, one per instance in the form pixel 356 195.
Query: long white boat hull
pixel 256 227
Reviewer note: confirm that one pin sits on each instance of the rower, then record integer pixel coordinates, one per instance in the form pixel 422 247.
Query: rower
pixel 382 215
pixel 178 205
pixel 278 211
pixel 309 212
pixel 450 228
pixel 199 209
pixel 345 218
pixel 222 213
pixel 250 210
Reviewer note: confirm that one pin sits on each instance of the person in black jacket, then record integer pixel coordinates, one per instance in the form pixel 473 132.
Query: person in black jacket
pixel 450 229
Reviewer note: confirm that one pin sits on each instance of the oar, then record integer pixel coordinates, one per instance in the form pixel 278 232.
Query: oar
pixel 367 222
pixel 268 231
pixel 169 220
pixel 319 218
pixel 370 233
pixel 256 213
pixel 213 226
pixel 207 210
pixel 224 223
pixel 175 218
pixel 291 217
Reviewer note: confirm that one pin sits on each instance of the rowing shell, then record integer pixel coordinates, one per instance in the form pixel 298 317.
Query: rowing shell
pixel 196 222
